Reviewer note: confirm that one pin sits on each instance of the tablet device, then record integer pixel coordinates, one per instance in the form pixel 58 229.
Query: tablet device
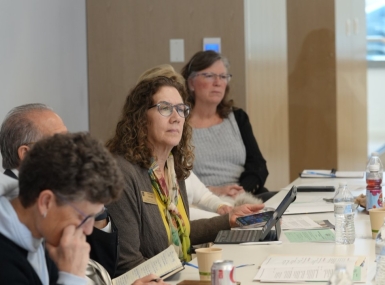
pixel 254 220
pixel 266 233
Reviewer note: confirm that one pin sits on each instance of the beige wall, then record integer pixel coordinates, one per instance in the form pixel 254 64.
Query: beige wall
pixel 312 85
pixel 352 135
pixel 327 84
pixel 127 37
pixel 301 80
pixel 266 85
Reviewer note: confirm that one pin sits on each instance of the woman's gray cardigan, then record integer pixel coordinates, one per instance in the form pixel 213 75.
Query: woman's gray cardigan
pixel 142 233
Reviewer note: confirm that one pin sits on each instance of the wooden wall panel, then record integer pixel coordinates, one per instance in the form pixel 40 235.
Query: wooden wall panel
pixel 351 85
pixel 302 82
pixel 327 84
pixel 266 83
pixel 312 85
pixel 127 37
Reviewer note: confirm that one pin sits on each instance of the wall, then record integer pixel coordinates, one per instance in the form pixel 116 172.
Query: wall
pixel 327 84
pixel 376 103
pixel 283 56
pixel 266 85
pixel 43 57
pixel 312 85
pixel 351 93
pixel 127 37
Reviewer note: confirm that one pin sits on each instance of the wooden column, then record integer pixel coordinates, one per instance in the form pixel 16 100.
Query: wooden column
pixel 327 85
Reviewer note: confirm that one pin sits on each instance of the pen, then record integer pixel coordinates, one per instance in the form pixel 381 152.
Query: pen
pixel 321 174
pixel 261 243
pixel 244 265
pixel 190 264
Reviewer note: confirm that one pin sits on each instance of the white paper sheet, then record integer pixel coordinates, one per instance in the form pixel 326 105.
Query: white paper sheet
pixel 298 222
pixel 277 268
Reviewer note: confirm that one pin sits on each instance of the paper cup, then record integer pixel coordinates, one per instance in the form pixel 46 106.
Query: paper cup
pixel 377 216
pixel 206 257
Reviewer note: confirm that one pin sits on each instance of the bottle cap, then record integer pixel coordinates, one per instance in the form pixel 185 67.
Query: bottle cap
pixel 374 167
pixel 374 153
pixel 343 184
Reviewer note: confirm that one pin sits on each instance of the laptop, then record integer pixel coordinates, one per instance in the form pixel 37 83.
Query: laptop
pixel 266 233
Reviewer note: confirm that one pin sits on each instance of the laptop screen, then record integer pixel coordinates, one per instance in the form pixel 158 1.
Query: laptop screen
pixel 289 198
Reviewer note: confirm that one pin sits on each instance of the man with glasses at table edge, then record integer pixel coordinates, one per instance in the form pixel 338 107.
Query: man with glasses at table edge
pixel 21 129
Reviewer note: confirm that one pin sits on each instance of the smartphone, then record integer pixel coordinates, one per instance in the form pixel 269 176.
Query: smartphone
pixel 254 220
pixel 315 188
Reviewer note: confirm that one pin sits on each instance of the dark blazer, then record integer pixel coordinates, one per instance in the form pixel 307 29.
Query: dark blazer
pixel 141 228
pixel 104 246
pixel 15 267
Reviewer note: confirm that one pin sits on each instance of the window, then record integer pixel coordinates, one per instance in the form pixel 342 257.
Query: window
pixel 375 30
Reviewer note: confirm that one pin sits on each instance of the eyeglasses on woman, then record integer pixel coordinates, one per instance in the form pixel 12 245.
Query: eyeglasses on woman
pixel 210 76
pixel 166 109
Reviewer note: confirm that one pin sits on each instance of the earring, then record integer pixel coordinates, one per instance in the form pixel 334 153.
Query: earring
pixel 45 215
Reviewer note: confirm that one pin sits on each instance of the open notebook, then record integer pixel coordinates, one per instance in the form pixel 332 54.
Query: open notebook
pixel 163 264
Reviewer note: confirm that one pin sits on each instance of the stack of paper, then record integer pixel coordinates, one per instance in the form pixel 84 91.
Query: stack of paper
pixel 304 229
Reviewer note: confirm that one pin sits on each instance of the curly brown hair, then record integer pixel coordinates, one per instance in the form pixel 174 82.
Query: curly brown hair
pixel 202 60
pixel 130 139
pixel 76 166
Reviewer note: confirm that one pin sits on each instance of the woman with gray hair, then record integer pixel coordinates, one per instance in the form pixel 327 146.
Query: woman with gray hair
pixel 64 182
pixel 227 156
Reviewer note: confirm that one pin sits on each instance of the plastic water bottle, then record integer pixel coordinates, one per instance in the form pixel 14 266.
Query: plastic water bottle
pixel 340 276
pixel 374 172
pixel 380 256
pixel 375 159
pixel 344 209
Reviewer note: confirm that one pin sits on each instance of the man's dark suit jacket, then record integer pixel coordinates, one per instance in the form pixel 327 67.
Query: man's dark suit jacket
pixel 104 246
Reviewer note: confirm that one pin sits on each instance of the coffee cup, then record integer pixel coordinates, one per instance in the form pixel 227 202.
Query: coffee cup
pixel 206 257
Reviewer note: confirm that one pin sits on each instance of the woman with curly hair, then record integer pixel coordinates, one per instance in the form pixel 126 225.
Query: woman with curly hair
pixel 153 149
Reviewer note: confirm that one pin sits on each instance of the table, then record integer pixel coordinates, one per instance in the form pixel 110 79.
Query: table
pixel 363 245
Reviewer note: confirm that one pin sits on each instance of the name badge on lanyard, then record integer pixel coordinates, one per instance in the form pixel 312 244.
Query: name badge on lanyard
pixel 148 197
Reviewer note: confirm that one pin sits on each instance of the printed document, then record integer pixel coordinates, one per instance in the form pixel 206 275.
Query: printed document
pixel 300 222
pixel 323 235
pixel 281 268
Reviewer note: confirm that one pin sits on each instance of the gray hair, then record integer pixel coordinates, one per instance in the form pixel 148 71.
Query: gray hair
pixel 75 167
pixel 18 129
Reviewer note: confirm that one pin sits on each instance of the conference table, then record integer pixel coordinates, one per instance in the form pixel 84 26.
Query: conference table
pixel 364 245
